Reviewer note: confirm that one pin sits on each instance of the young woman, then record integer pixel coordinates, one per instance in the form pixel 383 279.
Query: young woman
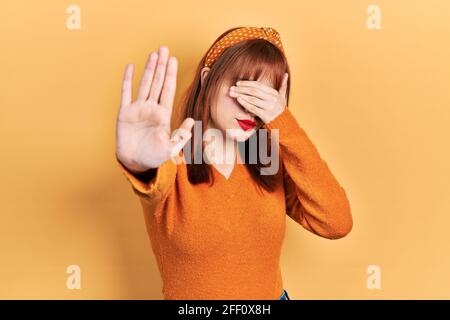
pixel 216 226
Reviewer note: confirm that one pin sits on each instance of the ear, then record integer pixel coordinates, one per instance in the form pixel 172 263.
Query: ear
pixel 203 74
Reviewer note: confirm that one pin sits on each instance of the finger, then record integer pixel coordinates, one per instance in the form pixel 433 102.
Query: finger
pixel 160 72
pixel 183 129
pixel 256 84
pixel 127 85
pixel 146 81
pixel 253 100
pixel 254 91
pixel 170 83
pixel 283 87
pixel 181 136
pixel 250 107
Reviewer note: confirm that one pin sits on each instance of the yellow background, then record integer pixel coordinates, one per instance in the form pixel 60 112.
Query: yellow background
pixel 375 102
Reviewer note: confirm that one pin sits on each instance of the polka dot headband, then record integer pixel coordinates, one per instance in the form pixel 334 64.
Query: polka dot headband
pixel 239 35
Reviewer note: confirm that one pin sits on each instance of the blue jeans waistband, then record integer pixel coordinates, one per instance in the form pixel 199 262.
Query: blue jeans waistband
pixel 284 295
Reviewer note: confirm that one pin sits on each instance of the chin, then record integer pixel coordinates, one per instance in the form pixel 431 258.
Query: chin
pixel 243 135
pixel 241 138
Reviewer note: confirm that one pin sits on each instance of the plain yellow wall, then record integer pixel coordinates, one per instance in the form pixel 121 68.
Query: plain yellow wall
pixel 375 102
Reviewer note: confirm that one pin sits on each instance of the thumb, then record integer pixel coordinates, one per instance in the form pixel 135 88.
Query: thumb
pixel 283 87
pixel 180 137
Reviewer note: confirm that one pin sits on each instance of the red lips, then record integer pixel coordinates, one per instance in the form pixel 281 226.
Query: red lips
pixel 246 124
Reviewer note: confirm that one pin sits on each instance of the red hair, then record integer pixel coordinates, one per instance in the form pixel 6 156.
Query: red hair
pixel 246 60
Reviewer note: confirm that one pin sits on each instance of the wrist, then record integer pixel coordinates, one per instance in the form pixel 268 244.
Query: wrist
pixel 132 166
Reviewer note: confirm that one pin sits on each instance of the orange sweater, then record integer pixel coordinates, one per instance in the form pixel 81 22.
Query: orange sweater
pixel 224 241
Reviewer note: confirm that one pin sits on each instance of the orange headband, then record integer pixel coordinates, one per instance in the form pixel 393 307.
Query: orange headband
pixel 241 34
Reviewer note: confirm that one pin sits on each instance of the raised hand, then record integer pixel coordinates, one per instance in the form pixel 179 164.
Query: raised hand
pixel 260 99
pixel 143 135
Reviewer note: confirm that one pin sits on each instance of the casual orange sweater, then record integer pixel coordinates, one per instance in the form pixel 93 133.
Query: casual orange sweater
pixel 224 241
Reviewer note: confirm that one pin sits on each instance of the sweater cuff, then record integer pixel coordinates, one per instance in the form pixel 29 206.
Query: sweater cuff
pixel 158 185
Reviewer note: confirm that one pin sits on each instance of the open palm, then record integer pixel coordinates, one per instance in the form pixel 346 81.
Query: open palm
pixel 143 134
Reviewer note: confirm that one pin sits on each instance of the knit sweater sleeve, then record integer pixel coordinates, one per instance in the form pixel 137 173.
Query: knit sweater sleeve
pixel 154 185
pixel 314 198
